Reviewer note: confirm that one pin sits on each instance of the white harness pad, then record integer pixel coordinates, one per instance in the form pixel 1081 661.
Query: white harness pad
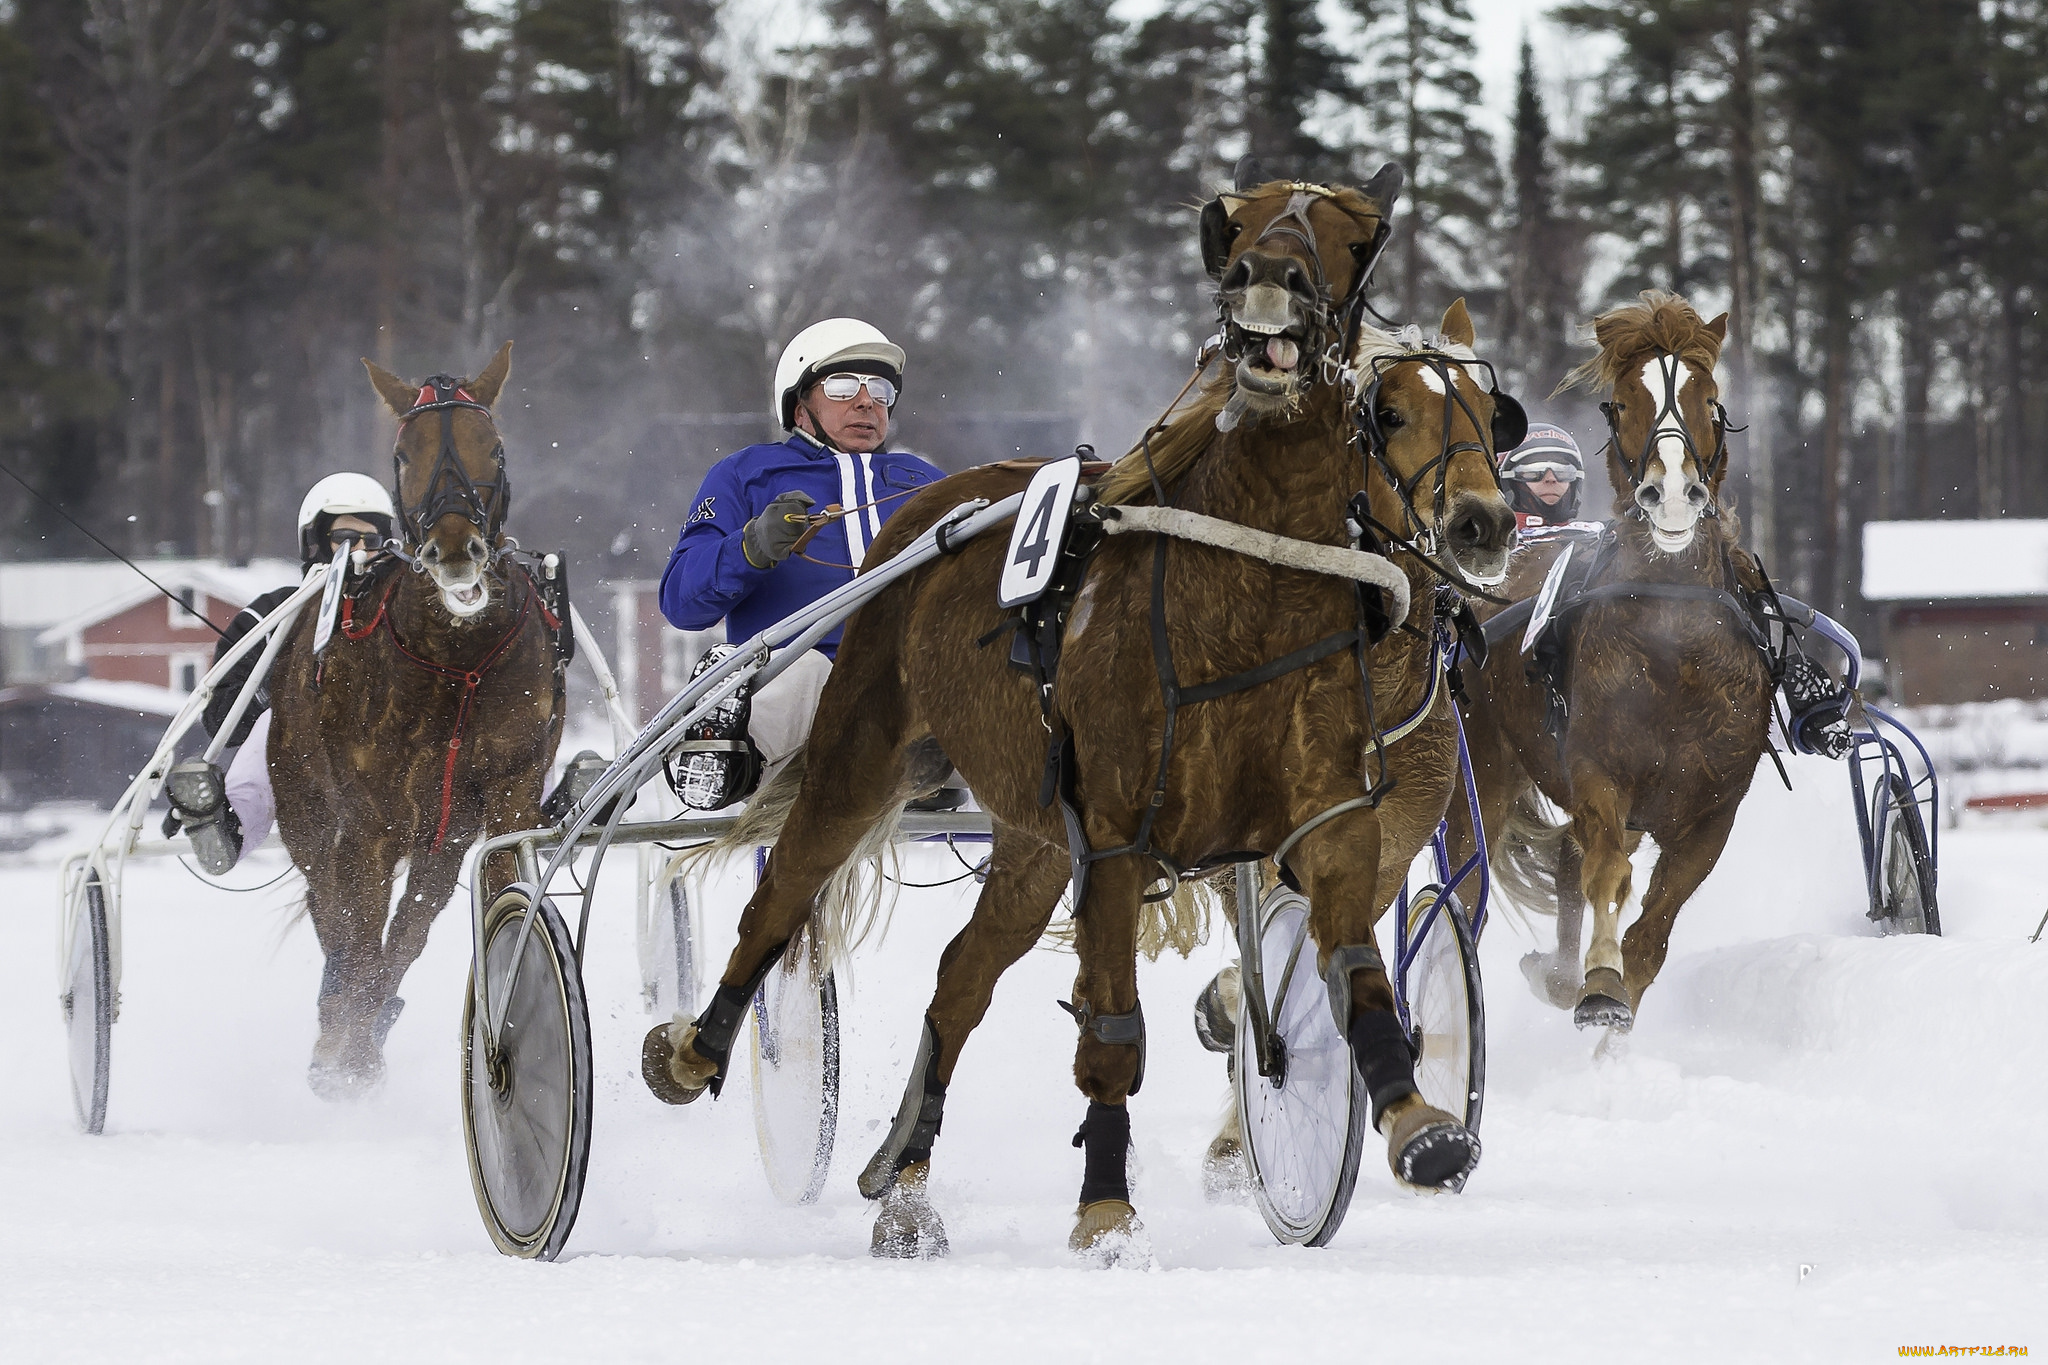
pixel 1039 533
pixel 1539 615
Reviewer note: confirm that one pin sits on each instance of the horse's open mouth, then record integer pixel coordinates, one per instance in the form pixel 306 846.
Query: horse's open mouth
pixel 465 599
pixel 1670 542
pixel 1268 363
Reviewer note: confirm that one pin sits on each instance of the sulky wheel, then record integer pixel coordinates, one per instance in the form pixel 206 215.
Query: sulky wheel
pixel 1446 1013
pixel 668 951
pixel 526 1103
pixel 1303 1128
pixel 1902 894
pixel 88 1001
pixel 796 1074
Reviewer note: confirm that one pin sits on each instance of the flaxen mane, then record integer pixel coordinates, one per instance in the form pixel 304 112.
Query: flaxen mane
pixel 1658 320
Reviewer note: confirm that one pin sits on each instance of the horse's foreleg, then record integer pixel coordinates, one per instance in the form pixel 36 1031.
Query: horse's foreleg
pixel 1600 828
pixel 348 903
pixel 1682 864
pixel 1024 882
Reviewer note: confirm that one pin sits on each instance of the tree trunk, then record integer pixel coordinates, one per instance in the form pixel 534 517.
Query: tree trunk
pixel 1743 197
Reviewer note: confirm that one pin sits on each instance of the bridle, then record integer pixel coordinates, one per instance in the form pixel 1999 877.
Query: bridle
pixel 1423 537
pixel 449 487
pixel 1338 320
pixel 1638 467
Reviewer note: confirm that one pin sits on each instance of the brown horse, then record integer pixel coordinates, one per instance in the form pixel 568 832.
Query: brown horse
pixel 924 680
pixel 431 716
pixel 1665 694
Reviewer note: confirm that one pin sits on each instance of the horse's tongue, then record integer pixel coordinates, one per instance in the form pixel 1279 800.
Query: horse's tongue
pixel 1282 353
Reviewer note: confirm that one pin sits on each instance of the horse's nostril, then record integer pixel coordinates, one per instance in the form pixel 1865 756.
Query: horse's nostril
pixel 1696 494
pixel 477 549
pixel 1649 495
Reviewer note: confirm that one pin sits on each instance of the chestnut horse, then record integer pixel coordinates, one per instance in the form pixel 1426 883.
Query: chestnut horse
pixel 1242 761
pixel 1665 692
pixel 431 716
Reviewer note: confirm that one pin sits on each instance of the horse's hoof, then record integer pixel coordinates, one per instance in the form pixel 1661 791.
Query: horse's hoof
pixel 1550 980
pixel 1427 1148
pixel 1225 1177
pixel 663 1066
pixel 1216 1011
pixel 1107 1232
pixel 338 1084
pixel 1602 1004
pixel 907 1227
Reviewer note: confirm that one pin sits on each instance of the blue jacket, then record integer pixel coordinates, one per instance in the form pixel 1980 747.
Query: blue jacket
pixel 708 576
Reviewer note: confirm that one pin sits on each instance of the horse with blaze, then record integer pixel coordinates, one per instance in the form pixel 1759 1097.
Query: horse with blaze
pixel 1650 704
pixel 430 717
pixel 924 682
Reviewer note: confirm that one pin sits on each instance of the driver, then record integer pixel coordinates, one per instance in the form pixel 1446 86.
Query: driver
pixel 223 813
pixel 1543 475
pixel 736 559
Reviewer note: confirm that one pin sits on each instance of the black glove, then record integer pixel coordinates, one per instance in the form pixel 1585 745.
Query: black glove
pixel 768 538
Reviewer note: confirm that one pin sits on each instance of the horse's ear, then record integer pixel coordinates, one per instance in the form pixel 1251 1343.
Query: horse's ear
pixel 1384 189
pixel 1719 327
pixel 398 395
pixel 1249 174
pixel 486 386
pixel 1217 232
pixel 1458 324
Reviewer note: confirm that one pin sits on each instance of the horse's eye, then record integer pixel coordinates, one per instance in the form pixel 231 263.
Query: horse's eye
pixel 1389 420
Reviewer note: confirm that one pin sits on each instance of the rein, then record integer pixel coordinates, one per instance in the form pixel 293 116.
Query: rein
pixel 449 487
pixel 471 678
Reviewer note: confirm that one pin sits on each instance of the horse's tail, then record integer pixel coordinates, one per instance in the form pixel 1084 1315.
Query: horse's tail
pixel 1180 922
pixel 853 903
pixel 1524 855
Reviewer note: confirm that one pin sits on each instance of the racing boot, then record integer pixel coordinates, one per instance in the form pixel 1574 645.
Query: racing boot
pixel 199 799
pixel 717 764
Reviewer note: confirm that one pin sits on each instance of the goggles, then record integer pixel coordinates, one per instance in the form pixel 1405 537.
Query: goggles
pixel 842 387
pixel 1534 473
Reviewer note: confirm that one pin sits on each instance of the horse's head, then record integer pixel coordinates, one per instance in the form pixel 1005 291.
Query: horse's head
pixel 1291 261
pixel 1670 431
pixel 1435 434
pixel 450 468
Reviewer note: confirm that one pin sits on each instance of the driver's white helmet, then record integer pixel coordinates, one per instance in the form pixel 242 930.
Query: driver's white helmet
pixel 338 495
pixel 835 342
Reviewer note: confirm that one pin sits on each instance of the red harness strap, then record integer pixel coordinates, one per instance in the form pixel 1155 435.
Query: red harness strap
pixel 471 679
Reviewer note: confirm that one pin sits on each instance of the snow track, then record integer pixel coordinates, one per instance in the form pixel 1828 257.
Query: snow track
pixel 1798 1094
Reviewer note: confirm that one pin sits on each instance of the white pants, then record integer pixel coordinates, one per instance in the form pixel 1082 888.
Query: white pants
pixel 784 708
pixel 248 784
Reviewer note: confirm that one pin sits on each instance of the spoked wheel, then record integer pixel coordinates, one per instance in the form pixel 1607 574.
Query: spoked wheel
pixel 796 1074
pixel 526 1104
pixel 1304 1127
pixel 88 1002
pixel 1902 898
pixel 1446 1010
pixel 668 956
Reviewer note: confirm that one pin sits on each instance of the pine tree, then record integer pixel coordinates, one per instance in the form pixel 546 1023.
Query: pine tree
pixel 1424 99
pixel 1546 258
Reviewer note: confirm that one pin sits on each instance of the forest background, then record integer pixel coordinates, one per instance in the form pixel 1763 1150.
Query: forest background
pixel 209 209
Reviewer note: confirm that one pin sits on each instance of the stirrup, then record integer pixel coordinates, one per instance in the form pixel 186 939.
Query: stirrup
pixel 716 764
pixel 199 801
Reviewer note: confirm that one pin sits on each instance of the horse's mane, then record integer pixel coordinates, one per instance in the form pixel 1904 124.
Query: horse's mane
pixel 1657 320
pixel 1181 438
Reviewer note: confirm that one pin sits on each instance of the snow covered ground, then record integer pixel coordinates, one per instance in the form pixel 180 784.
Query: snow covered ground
pixel 1818 1145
